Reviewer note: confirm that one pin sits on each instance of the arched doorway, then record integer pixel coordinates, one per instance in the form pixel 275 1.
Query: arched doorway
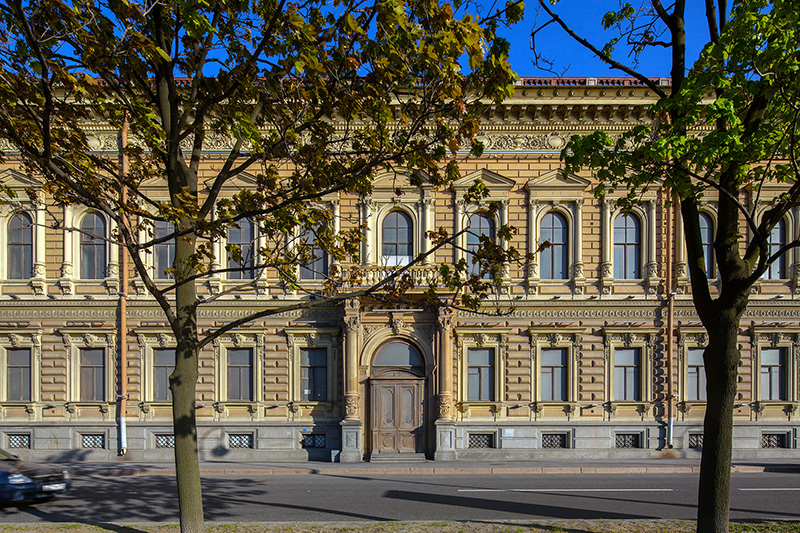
pixel 397 403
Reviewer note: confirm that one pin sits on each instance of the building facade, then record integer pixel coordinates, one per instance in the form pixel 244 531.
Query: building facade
pixel 579 364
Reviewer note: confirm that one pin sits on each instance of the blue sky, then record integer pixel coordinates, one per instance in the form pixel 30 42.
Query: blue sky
pixel 585 17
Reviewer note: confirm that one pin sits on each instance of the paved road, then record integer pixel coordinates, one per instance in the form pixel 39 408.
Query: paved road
pixel 352 497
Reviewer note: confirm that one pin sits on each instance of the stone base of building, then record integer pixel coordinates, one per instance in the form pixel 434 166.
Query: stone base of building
pixel 351 442
pixel 474 441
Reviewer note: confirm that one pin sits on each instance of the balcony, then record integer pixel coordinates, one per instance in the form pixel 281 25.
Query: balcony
pixel 422 276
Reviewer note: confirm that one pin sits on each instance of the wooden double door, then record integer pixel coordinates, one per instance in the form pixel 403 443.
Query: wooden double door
pixel 398 417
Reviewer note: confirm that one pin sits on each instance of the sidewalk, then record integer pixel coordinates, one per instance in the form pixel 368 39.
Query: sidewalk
pixel 221 468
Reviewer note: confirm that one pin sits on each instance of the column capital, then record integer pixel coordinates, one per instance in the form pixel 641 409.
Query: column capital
pixel 444 318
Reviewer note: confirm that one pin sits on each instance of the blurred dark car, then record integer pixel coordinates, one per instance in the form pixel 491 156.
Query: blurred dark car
pixel 21 480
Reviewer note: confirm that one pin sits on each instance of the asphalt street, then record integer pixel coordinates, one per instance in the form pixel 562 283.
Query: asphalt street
pixel 353 497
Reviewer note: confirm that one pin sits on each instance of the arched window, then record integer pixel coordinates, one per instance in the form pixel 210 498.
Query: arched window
pixel 398 239
pixel 398 354
pixel 20 246
pixel 316 265
pixel 163 252
pixel 554 260
pixel 244 236
pixel 93 246
pixel 627 247
pixel 479 226
pixel 707 243
pixel 776 241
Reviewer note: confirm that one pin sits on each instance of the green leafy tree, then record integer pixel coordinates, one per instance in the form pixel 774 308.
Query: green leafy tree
pixel 742 94
pixel 315 97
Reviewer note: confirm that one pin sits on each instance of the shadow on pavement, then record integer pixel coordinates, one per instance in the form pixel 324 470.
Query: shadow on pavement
pixel 510 506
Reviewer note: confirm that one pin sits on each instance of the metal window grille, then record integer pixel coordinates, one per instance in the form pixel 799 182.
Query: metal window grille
pixel 240 440
pixel 696 440
pixel 314 440
pixel 628 440
pixel 19 441
pixel 554 440
pixel 93 440
pixel 773 440
pixel 481 440
pixel 165 441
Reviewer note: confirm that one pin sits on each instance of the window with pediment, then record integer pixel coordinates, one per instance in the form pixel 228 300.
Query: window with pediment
pixel 93 246
pixel 92 365
pixel 163 250
pixel 472 218
pixel 20 246
pixel 395 217
pixel 397 239
pixel 555 354
pixel 555 216
pixel 239 367
pixel 480 227
pixel 775 242
pixel 20 361
pixel 157 352
pixel 629 247
pixel 22 235
pixel 481 357
pixel 315 266
pixel 554 259
pixel 312 356
pixel 629 356
pixel 691 382
pixel 242 250
pixel 88 254
pixel 784 273
pixel 774 368
pixel 707 243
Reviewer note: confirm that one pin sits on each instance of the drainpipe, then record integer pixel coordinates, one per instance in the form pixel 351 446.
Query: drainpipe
pixel 670 325
pixel 123 308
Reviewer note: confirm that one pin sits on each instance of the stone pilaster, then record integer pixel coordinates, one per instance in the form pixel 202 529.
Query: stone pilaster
pixel 445 427
pixel 352 424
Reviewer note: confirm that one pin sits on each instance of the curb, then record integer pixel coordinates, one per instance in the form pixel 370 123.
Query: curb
pixel 422 470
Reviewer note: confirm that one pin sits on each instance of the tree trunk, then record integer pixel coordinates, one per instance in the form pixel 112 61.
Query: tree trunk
pixel 721 362
pixel 187 466
pixel 183 383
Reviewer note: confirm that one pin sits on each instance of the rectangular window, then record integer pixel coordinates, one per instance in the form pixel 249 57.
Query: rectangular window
pixel 554 375
pixel 480 385
pixel 93 440
pixel 19 440
pixel 163 367
pixel 314 440
pixel 773 374
pixel 240 375
pixel 481 440
pixel 628 374
pixel 240 440
pixel 19 375
pixel 628 440
pixel 92 375
pixel 313 374
pixel 163 252
pixel 695 376
pixel 316 265
pixel 165 440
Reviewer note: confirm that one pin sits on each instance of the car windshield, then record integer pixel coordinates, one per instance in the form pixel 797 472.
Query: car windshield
pixel 5 456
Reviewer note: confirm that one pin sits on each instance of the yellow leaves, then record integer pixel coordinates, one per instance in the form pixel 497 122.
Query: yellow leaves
pixel 164 55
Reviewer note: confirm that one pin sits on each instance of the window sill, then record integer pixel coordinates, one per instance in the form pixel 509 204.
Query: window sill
pixel 642 408
pixel 787 406
pixel 482 407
